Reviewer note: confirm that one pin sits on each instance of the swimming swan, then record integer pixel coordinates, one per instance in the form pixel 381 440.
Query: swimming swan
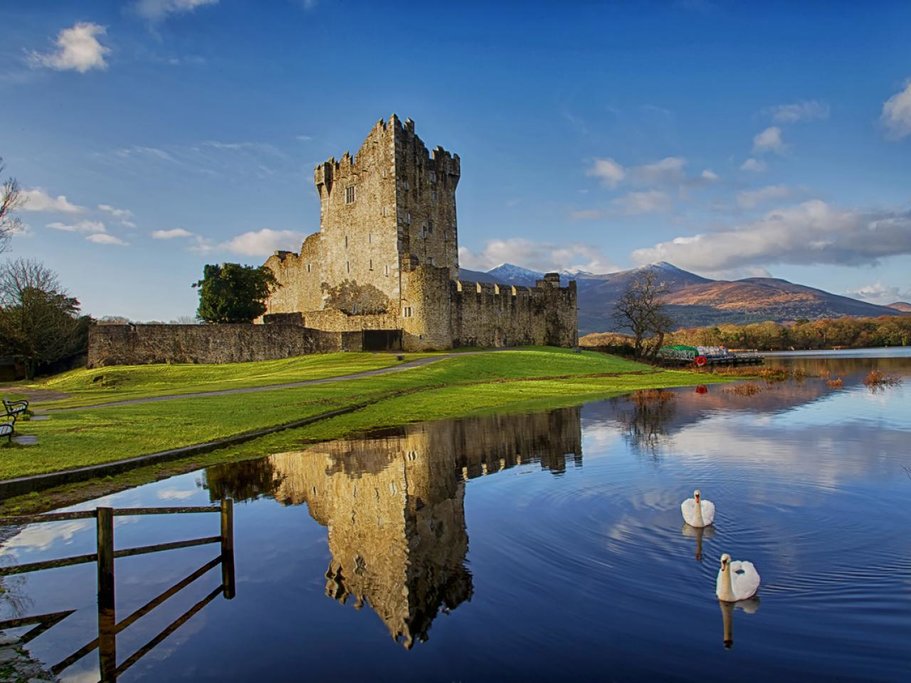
pixel 736 580
pixel 697 511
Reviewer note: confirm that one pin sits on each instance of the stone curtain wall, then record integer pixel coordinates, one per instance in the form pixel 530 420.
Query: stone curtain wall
pixel 143 344
pixel 485 314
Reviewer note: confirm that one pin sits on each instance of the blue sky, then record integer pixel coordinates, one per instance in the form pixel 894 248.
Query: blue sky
pixel 731 139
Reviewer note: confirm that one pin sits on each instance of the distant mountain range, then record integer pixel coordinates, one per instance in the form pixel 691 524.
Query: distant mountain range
pixel 695 301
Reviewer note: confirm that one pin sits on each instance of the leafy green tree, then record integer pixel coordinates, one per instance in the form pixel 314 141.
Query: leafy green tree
pixel 232 293
pixel 39 321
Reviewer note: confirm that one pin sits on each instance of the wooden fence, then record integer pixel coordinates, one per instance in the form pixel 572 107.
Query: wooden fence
pixel 108 626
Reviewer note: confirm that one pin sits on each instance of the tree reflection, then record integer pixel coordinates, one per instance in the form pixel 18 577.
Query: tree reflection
pixel 645 416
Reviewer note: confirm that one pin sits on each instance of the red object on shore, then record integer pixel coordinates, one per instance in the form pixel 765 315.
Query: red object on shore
pixel 700 361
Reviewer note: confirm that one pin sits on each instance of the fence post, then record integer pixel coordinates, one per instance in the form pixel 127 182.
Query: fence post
pixel 107 618
pixel 227 548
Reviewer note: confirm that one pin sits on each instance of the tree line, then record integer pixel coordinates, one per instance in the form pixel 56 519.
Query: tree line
pixel 826 333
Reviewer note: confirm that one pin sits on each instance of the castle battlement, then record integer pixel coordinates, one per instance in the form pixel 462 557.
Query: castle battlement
pixel 388 246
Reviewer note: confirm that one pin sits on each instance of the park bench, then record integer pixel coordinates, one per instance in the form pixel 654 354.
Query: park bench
pixel 14 409
pixel 6 429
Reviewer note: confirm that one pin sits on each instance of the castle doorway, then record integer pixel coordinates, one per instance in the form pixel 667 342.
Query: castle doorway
pixel 382 340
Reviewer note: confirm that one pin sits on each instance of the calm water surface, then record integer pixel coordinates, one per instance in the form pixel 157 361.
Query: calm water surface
pixel 534 547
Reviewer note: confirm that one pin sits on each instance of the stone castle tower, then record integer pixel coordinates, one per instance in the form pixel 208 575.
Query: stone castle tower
pixel 385 264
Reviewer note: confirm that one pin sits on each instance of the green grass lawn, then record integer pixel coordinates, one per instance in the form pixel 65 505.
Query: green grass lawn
pixel 525 379
pixel 122 382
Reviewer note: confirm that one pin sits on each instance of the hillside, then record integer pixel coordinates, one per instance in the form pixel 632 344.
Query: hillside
pixel 695 301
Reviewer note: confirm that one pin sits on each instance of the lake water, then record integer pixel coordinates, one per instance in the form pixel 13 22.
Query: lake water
pixel 533 547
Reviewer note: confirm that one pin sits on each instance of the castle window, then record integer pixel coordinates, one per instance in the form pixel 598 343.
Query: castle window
pixel 371 264
pixel 386 270
pixel 430 226
pixel 408 218
pixel 346 241
pixel 430 260
pixel 349 194
pixel 369 238
pixel 308 267
pixel 348 266
pixel 433 176
pixel 423 231
pixel 407 312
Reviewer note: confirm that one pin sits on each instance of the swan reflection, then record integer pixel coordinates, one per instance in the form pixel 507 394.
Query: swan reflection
pixel 750 606
pixel 698 533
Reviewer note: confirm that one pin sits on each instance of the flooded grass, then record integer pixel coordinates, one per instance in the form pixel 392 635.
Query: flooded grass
pixel 748 389
pixel 835 383
pixel 652 395
pixel 877 378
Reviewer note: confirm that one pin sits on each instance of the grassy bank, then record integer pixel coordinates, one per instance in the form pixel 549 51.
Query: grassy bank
pixel 461 385
pixel 118 383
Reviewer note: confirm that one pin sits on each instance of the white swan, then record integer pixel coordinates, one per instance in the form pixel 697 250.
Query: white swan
pixel 736 580
pixel 697 511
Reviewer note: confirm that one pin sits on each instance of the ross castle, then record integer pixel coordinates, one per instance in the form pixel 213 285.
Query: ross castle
pixel 381 274
pixel 384 266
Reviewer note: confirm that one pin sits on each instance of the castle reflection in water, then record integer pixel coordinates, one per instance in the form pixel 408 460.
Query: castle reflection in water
pixel 393 504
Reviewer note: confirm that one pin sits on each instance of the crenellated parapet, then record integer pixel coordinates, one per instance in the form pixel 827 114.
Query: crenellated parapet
pixel 388 229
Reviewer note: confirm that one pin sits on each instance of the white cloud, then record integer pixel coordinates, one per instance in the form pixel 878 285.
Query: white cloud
pixel 650 201
pixel 709 175
pixel 44 536
pixel 123 215
pixel 808 110
pixel 143 151
pixel 608 171
pixel 666 171
pixel 78 49
pixel 896 116
pixel 812 232
pixel 119 214
pixel 80 226
pixel 769 140
pixel 750 198
pixel 104 238
pixel 176 494
pixel 881 294
pixel 263 242
pixel 171 234
pixel 753 165
pixel 37 199
pixel 157 10
pixel 540 256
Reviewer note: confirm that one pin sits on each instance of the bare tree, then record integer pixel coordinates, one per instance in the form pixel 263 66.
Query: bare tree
pixel 39 321
pixel 641 311
pixel 10 199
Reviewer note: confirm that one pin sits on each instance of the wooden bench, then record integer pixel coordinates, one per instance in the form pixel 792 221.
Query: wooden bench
pixel 6 429
pixel 14 409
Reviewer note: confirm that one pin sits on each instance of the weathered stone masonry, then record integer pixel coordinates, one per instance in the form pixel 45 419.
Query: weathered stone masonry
pixel 382 273
pixel 386 257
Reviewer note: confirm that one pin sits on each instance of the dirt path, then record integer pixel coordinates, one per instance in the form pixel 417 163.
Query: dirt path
pixel 408 365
